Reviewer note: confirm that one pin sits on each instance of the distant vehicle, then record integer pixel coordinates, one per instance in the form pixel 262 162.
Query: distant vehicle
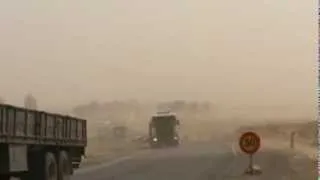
pixel 163 130
pixel 36 145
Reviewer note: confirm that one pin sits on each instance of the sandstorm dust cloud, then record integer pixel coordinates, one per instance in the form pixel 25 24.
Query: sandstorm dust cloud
pixel 255 64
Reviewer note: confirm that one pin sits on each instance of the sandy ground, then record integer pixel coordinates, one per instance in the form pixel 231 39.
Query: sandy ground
pixel 197 125
pixel 278 135
pixel 215 159
pixel 102 148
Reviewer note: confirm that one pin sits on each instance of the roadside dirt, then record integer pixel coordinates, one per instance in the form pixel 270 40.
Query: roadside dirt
pixel 279 136
pixel 274 136
pixel 101 149
pixel 301 158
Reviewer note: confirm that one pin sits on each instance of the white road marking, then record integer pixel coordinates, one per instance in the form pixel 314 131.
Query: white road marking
pixel 104 165
pixel 110 163
pixel 125 158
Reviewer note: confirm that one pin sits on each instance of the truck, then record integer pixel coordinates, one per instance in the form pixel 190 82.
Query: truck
pixel 163 130
pixel 38 145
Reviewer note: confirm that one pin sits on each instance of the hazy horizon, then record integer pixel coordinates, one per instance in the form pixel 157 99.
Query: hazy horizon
pixel 227 52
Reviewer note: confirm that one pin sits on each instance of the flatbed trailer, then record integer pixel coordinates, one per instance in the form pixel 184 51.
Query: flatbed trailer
pixel 37 145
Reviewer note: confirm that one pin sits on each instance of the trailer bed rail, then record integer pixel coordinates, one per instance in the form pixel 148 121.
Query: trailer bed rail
pixel 21 125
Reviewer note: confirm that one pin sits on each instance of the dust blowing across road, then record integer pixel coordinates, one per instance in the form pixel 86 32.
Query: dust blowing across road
pixel 214 160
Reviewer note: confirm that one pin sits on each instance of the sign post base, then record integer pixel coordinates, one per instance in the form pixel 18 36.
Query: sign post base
pixel 252 169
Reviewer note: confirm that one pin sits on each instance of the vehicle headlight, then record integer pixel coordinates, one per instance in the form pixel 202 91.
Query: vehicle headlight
pixel 155 139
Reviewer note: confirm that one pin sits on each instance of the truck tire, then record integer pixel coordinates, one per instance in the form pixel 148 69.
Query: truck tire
pixel 64 166
pixel 51 167
pixel 43 167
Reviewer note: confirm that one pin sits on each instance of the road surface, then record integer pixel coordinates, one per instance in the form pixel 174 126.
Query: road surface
pixel 216 161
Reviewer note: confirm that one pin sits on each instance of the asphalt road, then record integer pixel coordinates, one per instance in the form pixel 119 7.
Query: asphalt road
pixel 202 161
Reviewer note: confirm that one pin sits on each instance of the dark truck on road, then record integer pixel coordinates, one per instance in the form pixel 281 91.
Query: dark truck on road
pixel 163 130
pixel 36 145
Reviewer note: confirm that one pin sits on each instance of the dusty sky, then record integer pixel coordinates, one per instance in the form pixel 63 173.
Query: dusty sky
pixel 239 52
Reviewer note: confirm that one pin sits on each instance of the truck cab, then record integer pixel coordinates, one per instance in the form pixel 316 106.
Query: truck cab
pixel 163 130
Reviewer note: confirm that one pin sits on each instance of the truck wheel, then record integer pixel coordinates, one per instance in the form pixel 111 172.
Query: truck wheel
pixel 51 167
pixel 64 166
pixel 43 166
